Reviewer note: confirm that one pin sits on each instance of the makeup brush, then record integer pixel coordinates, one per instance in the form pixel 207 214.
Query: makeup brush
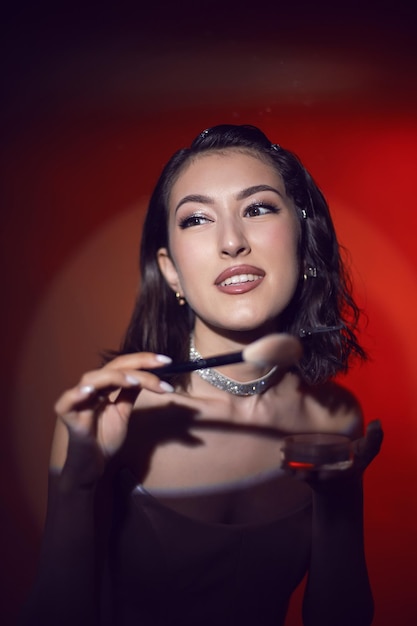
pixel 278 349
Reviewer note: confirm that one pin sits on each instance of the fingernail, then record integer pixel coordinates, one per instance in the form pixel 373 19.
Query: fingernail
pixel 85 390
pixel 166 386
pixel 132 380
pixel 162 358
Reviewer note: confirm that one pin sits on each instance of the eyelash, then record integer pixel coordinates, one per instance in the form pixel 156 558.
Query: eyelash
pixel 262 205
pixel 194 220
pixel 191 220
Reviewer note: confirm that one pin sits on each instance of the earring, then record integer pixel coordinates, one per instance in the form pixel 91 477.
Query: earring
pixel 180 299
pixel 310 272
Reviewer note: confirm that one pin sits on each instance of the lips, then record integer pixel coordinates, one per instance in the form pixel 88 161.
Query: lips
pixel 239 279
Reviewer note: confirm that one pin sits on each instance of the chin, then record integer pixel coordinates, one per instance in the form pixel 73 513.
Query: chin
pixel 264 327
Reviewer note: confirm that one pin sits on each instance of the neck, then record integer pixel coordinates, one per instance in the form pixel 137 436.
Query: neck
pixel 233 386
pixel 259 406
pixel 210 342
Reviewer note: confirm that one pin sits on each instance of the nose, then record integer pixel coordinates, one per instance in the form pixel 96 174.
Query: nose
pixel 232 238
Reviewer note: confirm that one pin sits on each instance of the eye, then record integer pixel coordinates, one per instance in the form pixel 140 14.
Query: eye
pixel 193 220
pixel 260 208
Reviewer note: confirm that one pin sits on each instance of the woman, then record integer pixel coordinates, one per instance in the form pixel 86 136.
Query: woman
pixel 168 503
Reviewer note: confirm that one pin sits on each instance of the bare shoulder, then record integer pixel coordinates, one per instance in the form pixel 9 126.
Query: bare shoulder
pixel 334 408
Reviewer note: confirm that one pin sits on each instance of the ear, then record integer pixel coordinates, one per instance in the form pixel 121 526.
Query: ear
pixel 168 270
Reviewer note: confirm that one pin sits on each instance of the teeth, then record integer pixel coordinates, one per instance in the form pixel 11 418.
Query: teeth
pixel 240 278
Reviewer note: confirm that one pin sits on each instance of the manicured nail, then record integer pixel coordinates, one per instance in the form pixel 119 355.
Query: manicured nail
pixel 166 386
pixel 132 380
pixel 86 390
pixel 162 358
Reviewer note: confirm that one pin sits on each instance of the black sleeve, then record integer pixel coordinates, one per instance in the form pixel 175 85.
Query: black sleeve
pixel 65 591
pixel 338 590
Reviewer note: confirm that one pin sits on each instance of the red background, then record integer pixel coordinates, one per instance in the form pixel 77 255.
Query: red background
pixel 94 104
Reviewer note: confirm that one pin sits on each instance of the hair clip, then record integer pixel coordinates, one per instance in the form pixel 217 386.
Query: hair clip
pixel 204 133
pixel 308 332
pixel 275 146
pixel 304 214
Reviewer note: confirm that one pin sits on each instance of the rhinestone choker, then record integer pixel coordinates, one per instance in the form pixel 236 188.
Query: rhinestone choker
pixel 224 383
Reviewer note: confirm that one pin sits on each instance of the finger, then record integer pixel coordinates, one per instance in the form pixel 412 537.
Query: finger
pixel 127 397
pixel 366 448
pixel 100 383
pixel 374 429
pixel 125 402
pixel 138 360
pixel 299 474
pixel 374 437
pixel 92 387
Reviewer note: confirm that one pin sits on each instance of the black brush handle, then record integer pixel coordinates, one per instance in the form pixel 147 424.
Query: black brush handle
pixel 223 359
pixel 200 364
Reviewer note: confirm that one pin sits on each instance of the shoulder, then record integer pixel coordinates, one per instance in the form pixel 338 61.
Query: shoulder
pixel 334 408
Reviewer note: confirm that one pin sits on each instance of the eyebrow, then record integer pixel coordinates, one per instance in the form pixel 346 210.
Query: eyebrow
pixel 245 193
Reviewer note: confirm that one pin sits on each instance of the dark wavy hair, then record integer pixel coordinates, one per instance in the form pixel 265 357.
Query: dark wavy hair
pixel 160 325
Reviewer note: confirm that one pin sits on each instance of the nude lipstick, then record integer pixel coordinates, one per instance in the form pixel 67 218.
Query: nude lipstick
pixel 239 279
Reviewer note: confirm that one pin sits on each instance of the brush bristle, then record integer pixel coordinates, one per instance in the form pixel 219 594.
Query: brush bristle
pixel 278 349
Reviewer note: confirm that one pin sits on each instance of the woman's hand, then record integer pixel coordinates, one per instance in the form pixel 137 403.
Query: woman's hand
pixel 99 407
pixel 364 450
pixel 367 448
pixel 338 589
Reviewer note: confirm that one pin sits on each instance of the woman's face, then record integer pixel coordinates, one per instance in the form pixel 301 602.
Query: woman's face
pixel 233 242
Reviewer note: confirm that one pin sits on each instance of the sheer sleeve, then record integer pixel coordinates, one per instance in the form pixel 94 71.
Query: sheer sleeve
pixel 66 588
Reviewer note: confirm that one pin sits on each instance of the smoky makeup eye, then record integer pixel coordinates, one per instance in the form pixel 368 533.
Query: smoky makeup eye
pixel 196 219
pixel 256 209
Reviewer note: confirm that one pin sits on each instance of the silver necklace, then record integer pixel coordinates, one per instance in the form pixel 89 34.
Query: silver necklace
pixel 225 383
